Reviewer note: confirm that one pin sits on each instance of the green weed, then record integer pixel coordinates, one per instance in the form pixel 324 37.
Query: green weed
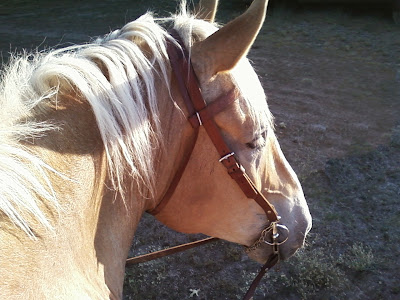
pixel 359 258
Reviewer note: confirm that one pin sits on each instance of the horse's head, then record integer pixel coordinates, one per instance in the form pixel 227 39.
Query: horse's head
pixel 206 199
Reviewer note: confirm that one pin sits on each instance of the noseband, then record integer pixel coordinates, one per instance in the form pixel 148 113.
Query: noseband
pixel 201 114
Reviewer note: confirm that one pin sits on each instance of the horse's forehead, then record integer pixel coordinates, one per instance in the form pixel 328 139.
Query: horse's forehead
pixel 249 84
pixel 251 109
pixel 242 123
pixel 244 79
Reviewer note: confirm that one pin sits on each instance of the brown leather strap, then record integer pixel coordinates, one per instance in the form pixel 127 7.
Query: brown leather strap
pixel 173 250
pixel 178 175
pixel 213 109
pixel 196 105
pixel 158 254
pixel 268 265
pixel 182 75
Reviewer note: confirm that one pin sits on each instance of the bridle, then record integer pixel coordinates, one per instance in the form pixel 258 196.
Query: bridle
pixel 201 114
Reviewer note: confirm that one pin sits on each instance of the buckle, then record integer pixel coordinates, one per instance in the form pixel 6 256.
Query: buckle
pixel 199 119
pixel 226 156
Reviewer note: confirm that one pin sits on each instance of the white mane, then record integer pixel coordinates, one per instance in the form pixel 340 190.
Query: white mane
pixel 124 104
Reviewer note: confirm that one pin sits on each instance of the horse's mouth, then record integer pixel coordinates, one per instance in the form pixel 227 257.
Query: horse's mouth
pixel 265 250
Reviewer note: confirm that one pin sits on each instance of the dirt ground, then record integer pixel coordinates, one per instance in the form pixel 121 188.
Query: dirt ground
pixel 332 76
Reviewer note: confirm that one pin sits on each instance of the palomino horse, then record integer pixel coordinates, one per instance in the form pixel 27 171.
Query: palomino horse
pixel 92 135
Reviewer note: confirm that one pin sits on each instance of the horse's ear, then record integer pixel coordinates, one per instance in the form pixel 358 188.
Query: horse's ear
pixel 222 50
pixel 206 10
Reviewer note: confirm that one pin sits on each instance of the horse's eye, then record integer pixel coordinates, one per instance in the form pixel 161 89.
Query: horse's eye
pixel 251 145
pixel 259 142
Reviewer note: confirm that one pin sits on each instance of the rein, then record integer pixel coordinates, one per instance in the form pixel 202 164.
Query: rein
pixel 201 114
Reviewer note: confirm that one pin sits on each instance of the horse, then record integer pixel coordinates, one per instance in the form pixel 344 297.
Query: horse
pixel 92 136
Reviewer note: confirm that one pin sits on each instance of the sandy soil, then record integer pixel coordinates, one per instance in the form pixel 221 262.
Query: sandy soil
pixel 332 78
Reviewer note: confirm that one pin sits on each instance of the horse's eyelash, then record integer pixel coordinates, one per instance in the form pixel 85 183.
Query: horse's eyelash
pixel 254 145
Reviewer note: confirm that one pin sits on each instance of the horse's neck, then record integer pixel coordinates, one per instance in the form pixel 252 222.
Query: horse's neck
pixel 93 230
pixel 177 134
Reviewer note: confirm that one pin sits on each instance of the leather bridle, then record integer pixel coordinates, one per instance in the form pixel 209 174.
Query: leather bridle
pixel 201 114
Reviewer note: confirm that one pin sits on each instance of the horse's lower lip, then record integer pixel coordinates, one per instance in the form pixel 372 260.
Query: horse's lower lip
pixel 288 252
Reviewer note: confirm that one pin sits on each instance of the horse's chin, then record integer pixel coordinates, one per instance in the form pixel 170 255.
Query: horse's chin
pixel 264 252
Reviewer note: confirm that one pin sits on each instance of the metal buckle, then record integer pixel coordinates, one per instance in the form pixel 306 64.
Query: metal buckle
pixel 199 119
pixel 226 156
